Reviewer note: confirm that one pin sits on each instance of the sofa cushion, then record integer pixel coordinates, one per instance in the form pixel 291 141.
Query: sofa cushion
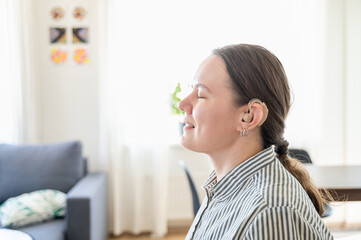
pixel 54 230
pixel 27 168
pixel 34 207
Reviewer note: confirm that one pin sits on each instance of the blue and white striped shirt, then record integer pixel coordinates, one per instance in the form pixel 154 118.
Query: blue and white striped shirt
pixel 258 199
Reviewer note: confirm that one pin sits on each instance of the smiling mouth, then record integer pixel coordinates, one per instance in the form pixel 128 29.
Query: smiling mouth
pixel 189 125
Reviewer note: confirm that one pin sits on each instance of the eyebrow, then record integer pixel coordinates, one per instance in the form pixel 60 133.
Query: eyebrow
pixel 201 85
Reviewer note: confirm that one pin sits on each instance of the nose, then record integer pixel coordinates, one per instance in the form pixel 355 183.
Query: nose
pixel 185 105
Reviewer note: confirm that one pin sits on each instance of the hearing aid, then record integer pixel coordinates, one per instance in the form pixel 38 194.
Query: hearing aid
pixel 248 117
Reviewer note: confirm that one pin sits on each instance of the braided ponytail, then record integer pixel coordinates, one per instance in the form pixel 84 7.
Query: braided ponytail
pixel 300 173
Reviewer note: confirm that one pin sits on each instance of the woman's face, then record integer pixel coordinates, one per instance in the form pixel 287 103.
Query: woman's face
pixel 211 115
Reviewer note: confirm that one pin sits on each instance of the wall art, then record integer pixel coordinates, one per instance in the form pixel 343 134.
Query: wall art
pixel 81 56
pixel 57 35
pixel 57 13
pixel 80 35
pixel 58 56
pixel 79 13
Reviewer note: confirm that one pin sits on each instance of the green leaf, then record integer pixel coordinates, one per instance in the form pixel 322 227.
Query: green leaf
pixel 175 100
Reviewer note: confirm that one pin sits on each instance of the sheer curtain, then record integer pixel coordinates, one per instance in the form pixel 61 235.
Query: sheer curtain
pixel 134 123
pixel 18 102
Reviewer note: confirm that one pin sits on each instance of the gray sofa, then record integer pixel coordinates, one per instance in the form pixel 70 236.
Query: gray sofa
pixel 60 166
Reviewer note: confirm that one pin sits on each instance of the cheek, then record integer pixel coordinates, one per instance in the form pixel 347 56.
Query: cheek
pixel 204 115
pixel 215 121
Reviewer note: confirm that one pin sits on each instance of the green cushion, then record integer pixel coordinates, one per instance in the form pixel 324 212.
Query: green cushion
pixel 34 207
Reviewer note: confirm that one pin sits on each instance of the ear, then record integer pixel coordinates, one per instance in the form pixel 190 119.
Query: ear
pixel 243 114
pixel 252 115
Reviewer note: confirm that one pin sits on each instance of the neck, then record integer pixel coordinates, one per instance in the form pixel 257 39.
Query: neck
pixel 225 160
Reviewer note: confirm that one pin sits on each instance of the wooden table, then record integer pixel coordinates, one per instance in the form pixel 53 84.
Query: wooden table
pixel 345 181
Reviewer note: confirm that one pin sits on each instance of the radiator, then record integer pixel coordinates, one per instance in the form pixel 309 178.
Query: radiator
pixel 180 203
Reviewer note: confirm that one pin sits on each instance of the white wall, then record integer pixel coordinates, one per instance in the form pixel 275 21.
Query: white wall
pixel 353 80
pixel 342 84
pixel 333 85
pixel 68 93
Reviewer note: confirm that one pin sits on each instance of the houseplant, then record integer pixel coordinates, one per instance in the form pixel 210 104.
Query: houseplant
pixel 175 100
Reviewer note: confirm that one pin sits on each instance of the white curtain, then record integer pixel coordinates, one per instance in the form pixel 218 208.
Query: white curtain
pixel 18 104
pixel 134 124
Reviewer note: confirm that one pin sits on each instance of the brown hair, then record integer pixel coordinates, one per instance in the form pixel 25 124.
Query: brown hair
pixel 257 73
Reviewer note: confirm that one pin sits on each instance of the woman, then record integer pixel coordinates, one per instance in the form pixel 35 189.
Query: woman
pixel 236 114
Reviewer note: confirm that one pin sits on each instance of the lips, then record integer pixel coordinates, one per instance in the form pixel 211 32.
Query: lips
pixel 189 124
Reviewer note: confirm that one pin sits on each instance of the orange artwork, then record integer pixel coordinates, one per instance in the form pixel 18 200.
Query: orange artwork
pixel 81 56
pixel 57 13
pixel 79 13
pixel 58 56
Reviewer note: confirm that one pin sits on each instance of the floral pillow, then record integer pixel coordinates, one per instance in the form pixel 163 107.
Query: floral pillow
pixel 34 207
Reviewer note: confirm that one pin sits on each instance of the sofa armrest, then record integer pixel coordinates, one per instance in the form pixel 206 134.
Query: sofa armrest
pixel 87 212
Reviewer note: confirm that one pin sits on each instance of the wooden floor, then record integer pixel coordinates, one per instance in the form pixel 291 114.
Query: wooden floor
pixel 181 235
pixel 172 236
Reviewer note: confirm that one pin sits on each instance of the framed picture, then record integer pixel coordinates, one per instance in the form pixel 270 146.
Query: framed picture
pixel 80 35
pixel 57 35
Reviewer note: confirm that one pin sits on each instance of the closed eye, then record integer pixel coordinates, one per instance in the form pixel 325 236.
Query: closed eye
pixel 200 93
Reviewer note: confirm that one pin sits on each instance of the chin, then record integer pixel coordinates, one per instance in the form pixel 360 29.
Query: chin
pixel 186 143
pixel 190 145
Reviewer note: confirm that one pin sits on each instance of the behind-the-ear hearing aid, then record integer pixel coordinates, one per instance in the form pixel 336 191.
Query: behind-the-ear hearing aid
pixel 248 117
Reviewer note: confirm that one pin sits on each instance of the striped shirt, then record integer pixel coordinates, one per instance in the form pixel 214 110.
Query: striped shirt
pixel 258 199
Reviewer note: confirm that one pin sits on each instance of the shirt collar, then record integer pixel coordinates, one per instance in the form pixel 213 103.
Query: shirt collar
pixel 233 180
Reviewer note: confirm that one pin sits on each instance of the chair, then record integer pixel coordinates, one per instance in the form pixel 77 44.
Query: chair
pixel 195 198
pixel 60 166
pixel 300 154
pixel 304 157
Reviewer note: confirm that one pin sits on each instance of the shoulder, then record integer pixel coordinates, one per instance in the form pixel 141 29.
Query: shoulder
pixel 279 187
pixel 285 223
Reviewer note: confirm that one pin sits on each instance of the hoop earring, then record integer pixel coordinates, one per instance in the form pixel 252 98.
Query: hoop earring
pixel 244 132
